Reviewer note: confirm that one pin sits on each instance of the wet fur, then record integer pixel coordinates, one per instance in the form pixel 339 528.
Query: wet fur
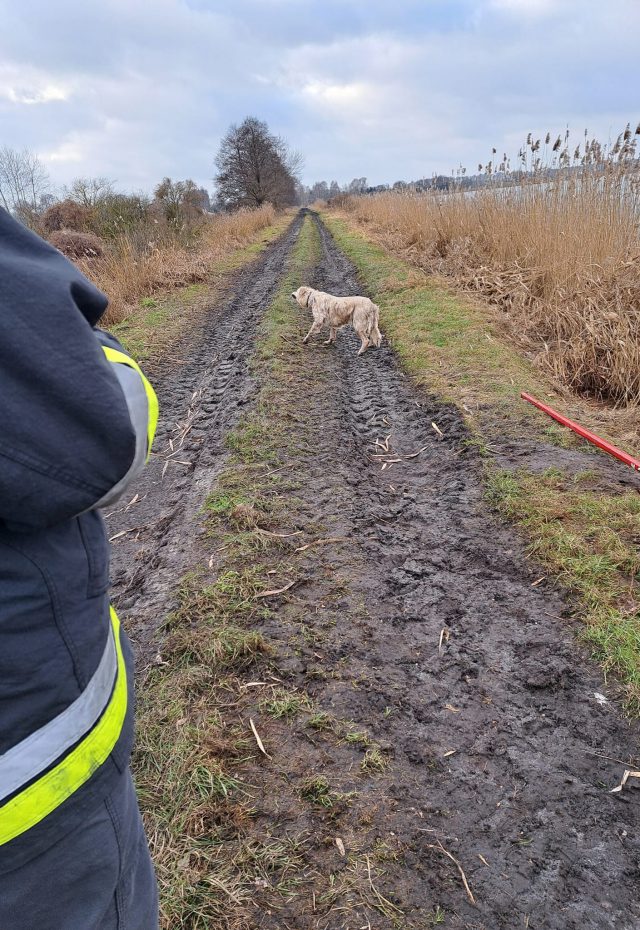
pixel 335 312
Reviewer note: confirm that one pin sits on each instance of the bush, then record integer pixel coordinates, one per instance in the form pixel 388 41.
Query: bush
pixel 66 215
pixel 76 244
pixel 119 214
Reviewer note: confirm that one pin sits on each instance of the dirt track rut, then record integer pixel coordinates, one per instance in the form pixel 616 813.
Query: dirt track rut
pixel 503 749
pixel 202 388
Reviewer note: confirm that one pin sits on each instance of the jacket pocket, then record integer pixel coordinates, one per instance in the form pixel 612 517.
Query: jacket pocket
pixel 94 539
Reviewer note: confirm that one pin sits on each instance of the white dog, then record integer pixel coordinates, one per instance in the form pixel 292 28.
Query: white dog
pixel 335 312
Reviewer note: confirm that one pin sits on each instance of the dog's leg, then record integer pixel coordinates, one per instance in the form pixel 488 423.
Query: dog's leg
pixel 364 346
pixel 332 336
pixel 315 328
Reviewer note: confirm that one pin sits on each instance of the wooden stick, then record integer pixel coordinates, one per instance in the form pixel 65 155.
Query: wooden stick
pixel 274 470
pixel 321 542
pixel 258 740
pixel 277 535
pixel 275 591
pixel 440 848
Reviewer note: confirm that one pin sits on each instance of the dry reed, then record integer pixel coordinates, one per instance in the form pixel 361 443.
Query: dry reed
pixel 133 267
pixel 558 251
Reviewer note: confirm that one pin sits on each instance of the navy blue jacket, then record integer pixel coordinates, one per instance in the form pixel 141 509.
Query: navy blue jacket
pixel 65 440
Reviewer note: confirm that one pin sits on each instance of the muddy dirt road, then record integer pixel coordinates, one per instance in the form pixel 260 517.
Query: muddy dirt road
pixel 202 389
pixel 420 623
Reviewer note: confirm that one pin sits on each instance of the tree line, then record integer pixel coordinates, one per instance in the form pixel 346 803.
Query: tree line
pixel 253 167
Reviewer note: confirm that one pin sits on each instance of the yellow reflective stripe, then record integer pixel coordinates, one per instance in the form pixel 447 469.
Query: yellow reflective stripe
pixel 33 804
pixel 113 355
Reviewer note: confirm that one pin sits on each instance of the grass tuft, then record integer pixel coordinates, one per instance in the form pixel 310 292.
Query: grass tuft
pixel 317 791
pixel 374 760
pixel 285 704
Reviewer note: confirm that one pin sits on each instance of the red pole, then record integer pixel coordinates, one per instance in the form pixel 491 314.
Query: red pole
pixel 585 433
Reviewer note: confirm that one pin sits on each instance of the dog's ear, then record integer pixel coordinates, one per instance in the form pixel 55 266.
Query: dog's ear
pixel 302 295
pixel 308 296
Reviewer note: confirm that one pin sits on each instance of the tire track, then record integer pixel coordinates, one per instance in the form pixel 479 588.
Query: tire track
pixel 202 391
pixel 502 746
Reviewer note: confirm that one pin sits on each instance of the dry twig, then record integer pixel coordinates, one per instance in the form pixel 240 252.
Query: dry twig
pixel 258 740
pixel 274 591
pixel 440 848
pixel 321 542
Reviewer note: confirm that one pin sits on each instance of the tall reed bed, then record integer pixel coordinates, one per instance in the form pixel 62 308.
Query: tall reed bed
pixel 555 244
pixel 137 264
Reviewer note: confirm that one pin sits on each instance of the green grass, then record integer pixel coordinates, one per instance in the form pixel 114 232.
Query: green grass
pixel 437 918
pixel 286 704
pixel 356 738
pixel 321 721
pixel 374 760
pixel 146 331
pixel 316 790
pixel 589 541
pixel 193 800
pixel 220 503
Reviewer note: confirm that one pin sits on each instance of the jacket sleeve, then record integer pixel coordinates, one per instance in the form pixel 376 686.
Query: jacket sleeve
pixel 67 432
pixel 142 405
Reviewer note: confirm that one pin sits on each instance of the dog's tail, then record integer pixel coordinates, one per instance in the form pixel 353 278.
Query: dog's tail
pixel 373 333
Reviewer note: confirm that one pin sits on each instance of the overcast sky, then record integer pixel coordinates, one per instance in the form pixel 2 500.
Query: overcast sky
pixel 387 89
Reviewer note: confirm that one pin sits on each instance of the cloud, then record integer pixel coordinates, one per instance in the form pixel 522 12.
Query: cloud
pixel 46 93
pixel 348 95
pixel 136 91
pixel 67 152
pixel 28 86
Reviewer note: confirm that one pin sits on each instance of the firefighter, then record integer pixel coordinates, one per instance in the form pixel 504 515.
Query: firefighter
pixel 77 419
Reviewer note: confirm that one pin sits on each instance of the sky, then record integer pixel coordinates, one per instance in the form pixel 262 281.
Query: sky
pixel 136 90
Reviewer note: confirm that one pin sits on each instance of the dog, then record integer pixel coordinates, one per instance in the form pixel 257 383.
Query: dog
pixel 336 312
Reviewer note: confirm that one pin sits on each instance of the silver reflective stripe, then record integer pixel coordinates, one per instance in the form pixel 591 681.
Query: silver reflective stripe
pixel 138 406
pixel 24 761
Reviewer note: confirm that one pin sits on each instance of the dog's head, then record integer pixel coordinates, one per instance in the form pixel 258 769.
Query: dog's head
pixel 302 295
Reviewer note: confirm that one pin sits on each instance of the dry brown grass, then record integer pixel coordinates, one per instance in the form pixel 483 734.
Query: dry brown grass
pixel 560 255
pixel 133 267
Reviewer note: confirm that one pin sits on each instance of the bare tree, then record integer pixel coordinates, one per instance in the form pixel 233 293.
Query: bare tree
pixel 319 191
pixel 23 182
pixel 182 202
pixel 357 186
pixel 255 167
pixel 89 192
